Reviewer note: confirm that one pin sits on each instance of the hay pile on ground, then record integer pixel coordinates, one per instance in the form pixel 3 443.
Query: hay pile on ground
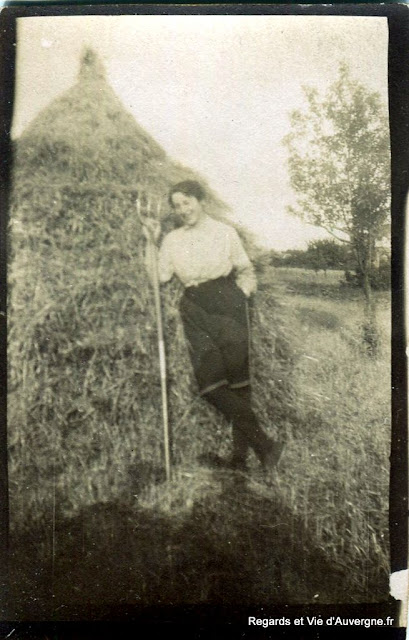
pixel 85 430
pixel 84 379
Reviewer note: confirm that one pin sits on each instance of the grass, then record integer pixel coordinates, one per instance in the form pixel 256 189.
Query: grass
pixel 345 400
pixel 307 282
pixel 86 472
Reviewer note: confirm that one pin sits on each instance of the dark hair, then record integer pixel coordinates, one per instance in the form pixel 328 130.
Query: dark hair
pixel 188 188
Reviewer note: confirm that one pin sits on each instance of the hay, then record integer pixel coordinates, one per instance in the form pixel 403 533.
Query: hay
pixel 84 406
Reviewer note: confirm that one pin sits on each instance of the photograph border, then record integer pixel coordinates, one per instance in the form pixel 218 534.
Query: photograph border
pixel 398 64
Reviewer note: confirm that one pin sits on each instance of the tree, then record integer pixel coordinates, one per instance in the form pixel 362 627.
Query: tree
pixel 292 258
pixel 339 166
pixel 326 254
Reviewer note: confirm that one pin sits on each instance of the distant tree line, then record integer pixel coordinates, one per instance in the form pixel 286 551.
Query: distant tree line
pixel 320 255
pixel 325 255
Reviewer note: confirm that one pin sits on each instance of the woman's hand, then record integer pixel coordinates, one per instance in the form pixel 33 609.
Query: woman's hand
pixel 151 229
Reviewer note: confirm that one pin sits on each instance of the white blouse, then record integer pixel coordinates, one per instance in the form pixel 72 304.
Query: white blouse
pixel 209 250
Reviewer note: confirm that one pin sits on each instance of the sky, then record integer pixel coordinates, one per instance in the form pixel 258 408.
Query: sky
pixel 215 91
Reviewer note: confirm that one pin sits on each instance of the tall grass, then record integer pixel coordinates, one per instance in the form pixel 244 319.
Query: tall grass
pixel 338 456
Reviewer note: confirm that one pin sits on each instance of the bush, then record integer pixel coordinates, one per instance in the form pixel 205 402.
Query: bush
pixel 379 278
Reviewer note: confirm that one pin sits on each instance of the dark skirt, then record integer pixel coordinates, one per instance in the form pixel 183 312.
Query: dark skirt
pixel 215 321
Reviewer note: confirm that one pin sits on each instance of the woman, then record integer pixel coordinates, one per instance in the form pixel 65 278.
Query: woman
pixel 208 258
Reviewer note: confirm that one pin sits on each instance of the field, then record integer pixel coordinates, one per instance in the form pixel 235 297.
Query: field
pixel 96 528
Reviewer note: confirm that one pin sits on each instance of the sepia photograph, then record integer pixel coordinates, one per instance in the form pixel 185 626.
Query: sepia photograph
pixel 199 314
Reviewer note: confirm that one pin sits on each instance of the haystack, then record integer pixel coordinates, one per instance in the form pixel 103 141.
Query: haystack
pixel 87 497
pixel 84 409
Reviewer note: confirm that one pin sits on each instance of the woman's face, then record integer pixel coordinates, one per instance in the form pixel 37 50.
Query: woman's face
pixel 188 208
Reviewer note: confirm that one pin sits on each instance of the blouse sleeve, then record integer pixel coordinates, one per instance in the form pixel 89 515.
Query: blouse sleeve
pixel 165 264
pixel 246 278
